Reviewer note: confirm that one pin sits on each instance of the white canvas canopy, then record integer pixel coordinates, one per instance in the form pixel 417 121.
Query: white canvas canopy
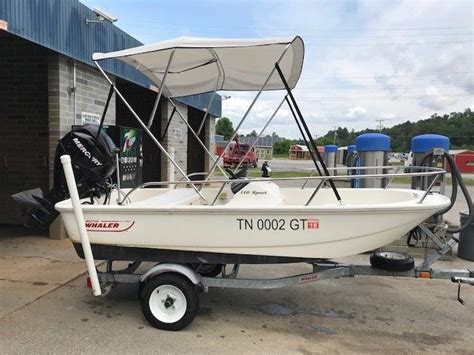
pixel 201 65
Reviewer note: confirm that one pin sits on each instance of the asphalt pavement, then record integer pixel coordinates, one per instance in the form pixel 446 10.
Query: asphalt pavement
pixel 345 316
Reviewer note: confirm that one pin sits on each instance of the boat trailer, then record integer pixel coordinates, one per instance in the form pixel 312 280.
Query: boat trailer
pixel 191 282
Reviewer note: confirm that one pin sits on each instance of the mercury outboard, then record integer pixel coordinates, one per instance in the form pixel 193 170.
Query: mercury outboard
pixel 93 160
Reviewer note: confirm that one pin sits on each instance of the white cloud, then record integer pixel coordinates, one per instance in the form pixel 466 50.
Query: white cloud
pixel 355 84
pixel 355 113
pixel 388 116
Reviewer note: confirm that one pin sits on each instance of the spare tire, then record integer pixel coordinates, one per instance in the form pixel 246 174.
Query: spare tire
pixel 207 270
pixel 392 261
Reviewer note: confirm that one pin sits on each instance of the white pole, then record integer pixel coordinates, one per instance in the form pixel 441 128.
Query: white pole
pixel 81 225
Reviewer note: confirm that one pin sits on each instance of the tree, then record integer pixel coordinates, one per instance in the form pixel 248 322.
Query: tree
pixel 225 128
pixel 458 126
pixel 283 146
pixel 253 134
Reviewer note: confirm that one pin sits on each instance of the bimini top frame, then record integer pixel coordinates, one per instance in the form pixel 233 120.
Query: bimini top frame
pixel 197 65
pixel 187 66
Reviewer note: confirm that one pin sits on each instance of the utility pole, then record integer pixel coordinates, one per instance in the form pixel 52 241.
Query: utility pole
pixel 380 124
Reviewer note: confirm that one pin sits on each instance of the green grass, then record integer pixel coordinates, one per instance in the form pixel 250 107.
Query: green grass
pixel 402 180
pixel 280 174
pixel 280 156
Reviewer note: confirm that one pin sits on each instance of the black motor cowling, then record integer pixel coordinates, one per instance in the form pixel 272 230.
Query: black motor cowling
pixel 93 161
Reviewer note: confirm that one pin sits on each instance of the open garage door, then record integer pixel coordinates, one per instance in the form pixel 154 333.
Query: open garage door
pixel 24 122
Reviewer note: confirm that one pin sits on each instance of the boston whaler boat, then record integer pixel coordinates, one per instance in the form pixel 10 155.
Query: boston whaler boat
pixel 194 228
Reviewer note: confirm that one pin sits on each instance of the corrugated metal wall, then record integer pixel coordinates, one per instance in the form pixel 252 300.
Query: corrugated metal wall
pixel 60 25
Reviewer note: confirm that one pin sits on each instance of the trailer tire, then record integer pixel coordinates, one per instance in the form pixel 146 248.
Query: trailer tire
pixel 392 261
pixel 169 301
pixel 207 270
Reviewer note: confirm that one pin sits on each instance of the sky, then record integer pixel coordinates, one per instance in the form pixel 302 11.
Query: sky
pixel 366 60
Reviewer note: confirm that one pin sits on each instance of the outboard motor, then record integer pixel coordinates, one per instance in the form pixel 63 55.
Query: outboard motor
pixel 93 162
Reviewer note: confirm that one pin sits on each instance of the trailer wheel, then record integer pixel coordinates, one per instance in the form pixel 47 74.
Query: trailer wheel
pixel 392 261
pixel 169 302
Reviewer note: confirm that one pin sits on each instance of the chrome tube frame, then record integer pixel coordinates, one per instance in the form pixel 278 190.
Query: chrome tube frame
pixel 389 183
pixel 306 182
pixel 206 113
pixel 117 167
pixel 244 117
pixel 260 134
pixel 251 147
pixel 168 122
pixel 160 92
pixel 195 135
pixel 429 189
pixel 147 130
pixel 428 172
pixel 211 100
pixel 314 193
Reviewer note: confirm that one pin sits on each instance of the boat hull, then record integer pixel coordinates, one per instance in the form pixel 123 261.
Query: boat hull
pixel 314 232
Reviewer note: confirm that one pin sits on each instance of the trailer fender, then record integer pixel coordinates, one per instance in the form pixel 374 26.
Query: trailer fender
pixel 184 270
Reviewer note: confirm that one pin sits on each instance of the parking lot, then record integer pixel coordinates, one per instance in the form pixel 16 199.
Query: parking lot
pixel 362 314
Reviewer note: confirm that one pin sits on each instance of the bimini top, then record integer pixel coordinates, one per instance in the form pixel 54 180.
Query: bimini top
pixel 200 65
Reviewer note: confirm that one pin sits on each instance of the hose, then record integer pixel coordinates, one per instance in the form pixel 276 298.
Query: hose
pixel 456 174
pixel 456 178
pixel 454 190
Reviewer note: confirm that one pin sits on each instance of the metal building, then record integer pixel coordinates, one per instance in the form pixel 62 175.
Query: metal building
pixel 48 83
pixel 464 160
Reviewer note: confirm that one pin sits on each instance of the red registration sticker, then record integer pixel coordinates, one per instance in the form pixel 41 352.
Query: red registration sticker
pixel 312 224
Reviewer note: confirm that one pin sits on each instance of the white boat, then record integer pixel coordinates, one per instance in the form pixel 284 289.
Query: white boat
pixel 257 224
pixel 262 222
pixel 193 228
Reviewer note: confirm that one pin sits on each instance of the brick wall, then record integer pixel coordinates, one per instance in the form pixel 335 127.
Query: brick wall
pixel 37 102
pixel 23 121
pixel 90 95
pixel 176 138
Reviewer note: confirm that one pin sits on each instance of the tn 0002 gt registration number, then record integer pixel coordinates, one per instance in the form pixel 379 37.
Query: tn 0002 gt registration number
pixel 277 224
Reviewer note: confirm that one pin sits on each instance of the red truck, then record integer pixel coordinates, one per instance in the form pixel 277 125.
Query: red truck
pixel 236 151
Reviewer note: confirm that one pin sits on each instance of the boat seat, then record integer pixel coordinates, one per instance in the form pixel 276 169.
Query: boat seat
pixel 176 197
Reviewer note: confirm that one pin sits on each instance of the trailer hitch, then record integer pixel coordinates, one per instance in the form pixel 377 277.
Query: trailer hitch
pixel 462 280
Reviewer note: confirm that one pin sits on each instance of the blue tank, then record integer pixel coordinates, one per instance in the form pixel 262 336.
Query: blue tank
pixel 426 142
pixel 373 142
